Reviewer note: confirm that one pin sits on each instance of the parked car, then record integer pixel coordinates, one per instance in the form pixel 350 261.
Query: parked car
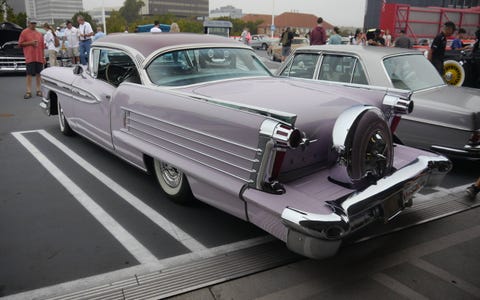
pixel 462 67
pixel 11 54
pixel 275 50
pixel 306 162
pixel 260 41
pixel 445 118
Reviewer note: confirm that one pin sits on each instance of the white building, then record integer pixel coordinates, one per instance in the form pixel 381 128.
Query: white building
pixel 52 11
pixel 226 11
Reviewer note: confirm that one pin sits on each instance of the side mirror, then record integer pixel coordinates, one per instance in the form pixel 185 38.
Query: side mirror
pixel 77 70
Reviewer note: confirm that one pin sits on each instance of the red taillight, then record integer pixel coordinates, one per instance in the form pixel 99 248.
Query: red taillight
pixel 395 121
pixel 277 164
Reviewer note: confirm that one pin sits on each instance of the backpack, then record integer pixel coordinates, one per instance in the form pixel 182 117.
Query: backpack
pixel 56 41
pixel 284 39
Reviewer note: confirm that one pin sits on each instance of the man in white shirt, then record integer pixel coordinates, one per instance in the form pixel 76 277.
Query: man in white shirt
pixel 86 33
pixel 156 27
pixel 71 40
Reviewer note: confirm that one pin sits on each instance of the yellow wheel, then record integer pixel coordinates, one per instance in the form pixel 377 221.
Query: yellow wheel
pixel 453 73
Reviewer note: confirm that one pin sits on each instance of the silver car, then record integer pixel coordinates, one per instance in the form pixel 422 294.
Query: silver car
pixel 306 162
pixel 260 41
pixel 445 118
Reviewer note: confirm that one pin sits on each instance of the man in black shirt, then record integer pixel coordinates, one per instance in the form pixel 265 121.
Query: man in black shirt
pixel 437 50
pixel 377 39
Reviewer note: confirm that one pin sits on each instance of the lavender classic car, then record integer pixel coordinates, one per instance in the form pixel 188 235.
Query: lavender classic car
pixel 306 162
pixel 446 118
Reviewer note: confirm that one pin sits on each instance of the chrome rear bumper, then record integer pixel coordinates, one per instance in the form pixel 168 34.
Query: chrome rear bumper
pixel 309 233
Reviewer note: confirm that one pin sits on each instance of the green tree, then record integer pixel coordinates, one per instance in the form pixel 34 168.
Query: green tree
pixel 19 19
pixel 2 7
pixel 190 25
pixel 116 22
pixel 130 10
pixel 239 24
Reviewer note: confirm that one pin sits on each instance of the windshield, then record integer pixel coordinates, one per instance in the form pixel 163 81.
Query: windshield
pixel 184 67
pixel 412 72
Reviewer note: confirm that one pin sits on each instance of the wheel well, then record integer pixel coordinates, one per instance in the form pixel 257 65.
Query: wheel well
pixel 52 96
pixel 148 161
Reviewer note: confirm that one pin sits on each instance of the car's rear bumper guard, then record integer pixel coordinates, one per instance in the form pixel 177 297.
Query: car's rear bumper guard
pixel 309 233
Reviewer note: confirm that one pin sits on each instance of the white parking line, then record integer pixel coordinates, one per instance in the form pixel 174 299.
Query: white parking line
pixel 397 287
pixel 141 254
pixel 172 229
pixel 113 277
pixel 446 276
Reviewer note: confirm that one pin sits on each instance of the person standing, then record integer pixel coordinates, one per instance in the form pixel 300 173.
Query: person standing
pixel 99 33
pixel 86 33
pixel 388 38
pixel 49 40
pixel 437 50
pixel 72 36
pixel 377 39
pixel 318 36
pixel 156 27
pixel 287 37
pixel 174 27
pixel 244 36
pixel 359 39
pixel 457 43
pixel 403 41
pixel 335 38
pixel 32 43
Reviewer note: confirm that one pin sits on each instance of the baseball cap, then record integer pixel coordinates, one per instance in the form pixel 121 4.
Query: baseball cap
pixel 32 20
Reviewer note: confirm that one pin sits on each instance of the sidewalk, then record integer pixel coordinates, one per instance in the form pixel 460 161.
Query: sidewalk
pixel 436 260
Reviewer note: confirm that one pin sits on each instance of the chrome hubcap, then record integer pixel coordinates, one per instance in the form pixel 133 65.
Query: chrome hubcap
pixel 376 156
pixel 170 175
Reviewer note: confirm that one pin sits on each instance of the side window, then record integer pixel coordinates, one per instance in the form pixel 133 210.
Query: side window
pixel 95 62
pixel 337 68
pixel 114 67
pixel 359 76
pixel 302 66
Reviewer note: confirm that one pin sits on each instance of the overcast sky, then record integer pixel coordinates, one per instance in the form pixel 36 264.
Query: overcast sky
pixel 337 12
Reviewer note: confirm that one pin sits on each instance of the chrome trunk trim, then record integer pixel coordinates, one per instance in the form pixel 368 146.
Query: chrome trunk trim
pixel 348 213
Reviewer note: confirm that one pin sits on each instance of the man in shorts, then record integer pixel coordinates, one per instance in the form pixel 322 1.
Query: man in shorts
pixel 32 43
pixel 71 37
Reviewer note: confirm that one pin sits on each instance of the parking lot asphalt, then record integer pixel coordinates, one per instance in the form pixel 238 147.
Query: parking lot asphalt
pixel 437 260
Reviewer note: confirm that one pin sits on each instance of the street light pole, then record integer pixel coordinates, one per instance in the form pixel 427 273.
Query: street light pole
pixel 103 17
pixel 272 28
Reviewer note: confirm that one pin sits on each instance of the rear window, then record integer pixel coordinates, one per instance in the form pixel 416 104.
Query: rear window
pixel 185 67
